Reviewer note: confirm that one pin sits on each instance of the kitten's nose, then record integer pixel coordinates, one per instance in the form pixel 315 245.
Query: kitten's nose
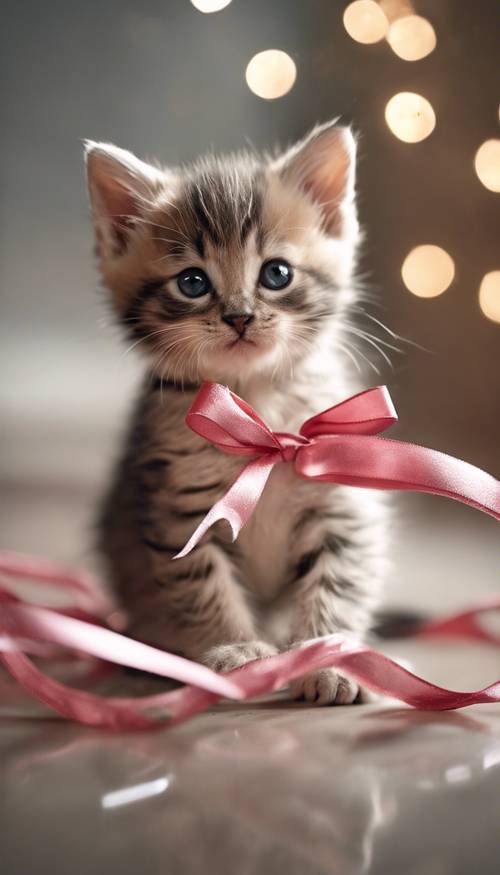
pixel 238 321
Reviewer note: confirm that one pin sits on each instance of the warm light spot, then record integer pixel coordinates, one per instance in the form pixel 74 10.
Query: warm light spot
pixel 427 271
pixel 365 22
pixel 412 37
pixel 489 295
pixel 271 74
pixel 487 164
pixel 410 117
pixel 210 5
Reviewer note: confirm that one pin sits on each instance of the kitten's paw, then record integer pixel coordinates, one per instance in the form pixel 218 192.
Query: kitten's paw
pixel 324 687
pixel 226 657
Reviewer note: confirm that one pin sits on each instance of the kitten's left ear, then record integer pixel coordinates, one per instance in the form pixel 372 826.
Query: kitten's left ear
pixel 121 187
pixel 323 164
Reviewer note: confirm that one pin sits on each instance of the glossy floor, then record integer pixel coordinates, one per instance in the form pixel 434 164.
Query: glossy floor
pixel 267 789
pixel 272 787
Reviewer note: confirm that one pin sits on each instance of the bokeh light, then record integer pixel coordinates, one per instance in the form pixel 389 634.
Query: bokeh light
pixel 487 164
pixel 365 22
pixel 411 37
pixel 410 117
pixel 427 271
pixel 489 295
pixel 210 5
pixel 271 74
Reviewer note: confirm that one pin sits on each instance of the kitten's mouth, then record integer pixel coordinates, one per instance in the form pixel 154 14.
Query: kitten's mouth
pixel 241 341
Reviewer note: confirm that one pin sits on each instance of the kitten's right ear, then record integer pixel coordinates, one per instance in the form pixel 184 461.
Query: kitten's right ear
pixel 323 165
pixel 121 187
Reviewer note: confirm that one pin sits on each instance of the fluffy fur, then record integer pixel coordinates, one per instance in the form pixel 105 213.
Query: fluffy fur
pixel 309 562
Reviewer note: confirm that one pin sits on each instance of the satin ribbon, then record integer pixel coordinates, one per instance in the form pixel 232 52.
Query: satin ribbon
pixel 340 445
pixel 31 628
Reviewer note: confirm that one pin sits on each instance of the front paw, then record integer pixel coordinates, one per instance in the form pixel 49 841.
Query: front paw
pixel 325 687
pixel 226 657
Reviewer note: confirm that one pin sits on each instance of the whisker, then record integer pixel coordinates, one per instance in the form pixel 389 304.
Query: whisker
pixel 363 356
pixel 366 334
pixel 350 355
pixel 398 336
pixel 371 342
pixel 383 342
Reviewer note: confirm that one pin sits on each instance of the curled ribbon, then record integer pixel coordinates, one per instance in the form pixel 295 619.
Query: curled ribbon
pixel 340 445
pixel 24 627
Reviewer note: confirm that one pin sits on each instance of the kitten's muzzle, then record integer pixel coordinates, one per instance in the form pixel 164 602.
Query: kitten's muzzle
pixel 238 321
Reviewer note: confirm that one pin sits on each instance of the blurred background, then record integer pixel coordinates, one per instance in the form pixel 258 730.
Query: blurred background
pixel 171 79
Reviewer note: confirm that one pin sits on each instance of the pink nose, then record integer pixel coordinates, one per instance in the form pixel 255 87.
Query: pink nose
pixel 238 321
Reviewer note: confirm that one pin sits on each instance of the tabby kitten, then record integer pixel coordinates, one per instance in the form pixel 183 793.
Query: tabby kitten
pixel 235 269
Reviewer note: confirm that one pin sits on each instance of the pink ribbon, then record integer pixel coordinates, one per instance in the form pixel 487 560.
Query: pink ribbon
pixel 29 628
pixel 340 445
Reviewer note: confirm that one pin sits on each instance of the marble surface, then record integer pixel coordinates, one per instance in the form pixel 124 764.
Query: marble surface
pixel 271 787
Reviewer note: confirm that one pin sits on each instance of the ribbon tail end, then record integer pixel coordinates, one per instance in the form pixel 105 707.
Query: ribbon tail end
pixel 214 516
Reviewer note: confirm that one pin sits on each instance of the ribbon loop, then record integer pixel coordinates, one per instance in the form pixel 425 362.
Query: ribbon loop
pixel 368 412
pixel 224 419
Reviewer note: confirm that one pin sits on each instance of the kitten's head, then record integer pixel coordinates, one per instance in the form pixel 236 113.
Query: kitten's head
pixel 231 266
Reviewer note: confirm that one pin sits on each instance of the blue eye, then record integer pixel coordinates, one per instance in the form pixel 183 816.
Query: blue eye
pixel 276 274
pixel 193 282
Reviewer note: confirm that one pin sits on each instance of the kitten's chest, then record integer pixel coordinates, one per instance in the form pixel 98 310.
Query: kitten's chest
pixel 266 542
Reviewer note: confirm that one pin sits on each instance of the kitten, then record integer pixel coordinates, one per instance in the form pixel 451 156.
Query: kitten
pixel 240 270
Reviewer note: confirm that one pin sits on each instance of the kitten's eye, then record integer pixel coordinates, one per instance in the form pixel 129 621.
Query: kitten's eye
pixel 193 282
pixel 276 274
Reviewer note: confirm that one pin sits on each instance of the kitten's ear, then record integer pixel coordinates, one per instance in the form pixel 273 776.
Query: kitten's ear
pixel 121 187
pixel 323 164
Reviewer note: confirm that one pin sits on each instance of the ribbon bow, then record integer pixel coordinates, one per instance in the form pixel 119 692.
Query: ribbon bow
pixel 340 445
